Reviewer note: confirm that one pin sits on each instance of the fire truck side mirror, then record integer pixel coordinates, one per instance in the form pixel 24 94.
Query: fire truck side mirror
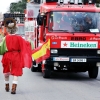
pixel 40 21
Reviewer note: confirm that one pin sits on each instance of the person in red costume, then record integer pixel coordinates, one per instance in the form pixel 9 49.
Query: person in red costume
pixel 16 55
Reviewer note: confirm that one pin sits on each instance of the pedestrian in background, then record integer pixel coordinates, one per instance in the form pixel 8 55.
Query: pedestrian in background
pixel 16 55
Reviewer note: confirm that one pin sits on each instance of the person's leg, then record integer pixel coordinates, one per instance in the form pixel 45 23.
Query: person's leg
pixel 14 84
pixel 6 77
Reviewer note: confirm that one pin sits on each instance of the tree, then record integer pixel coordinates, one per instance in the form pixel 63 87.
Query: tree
pixel 18 6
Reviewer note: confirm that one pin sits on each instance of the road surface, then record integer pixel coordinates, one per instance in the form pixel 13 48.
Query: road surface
pixel 61 86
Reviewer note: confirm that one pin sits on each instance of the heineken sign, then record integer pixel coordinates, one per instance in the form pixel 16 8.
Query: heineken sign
pixel 79 44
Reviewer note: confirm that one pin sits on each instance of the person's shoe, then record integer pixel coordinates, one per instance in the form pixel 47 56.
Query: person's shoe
pixel 7 87
pixel 13 91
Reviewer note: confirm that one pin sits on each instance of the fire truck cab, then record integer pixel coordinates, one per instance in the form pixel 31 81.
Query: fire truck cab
pixel 74 32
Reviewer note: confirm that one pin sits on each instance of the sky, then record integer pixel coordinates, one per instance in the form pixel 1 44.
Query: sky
pixel 5 4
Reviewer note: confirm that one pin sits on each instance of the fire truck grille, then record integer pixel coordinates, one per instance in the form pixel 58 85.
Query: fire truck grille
pixel 77 52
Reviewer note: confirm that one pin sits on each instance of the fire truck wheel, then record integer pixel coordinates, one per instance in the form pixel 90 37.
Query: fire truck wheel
pixel 39 68
pixel 93 72
pixel 46 72
pixel 33 69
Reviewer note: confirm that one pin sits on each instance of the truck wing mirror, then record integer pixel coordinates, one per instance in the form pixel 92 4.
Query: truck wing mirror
pixel 41 17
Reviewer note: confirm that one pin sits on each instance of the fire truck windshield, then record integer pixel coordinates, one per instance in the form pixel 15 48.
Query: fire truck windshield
pixel 74 21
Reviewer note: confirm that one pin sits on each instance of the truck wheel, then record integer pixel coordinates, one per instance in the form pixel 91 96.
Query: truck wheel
pixel 93 72
pixel 39 68
pixel 46 72
pixel 33 69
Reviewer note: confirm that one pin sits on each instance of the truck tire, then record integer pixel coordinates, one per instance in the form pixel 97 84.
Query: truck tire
pixel 93 72
pixel 34 69
pixel 39 68
pixel 46 72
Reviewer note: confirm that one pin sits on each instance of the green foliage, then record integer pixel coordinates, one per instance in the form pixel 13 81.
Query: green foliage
pixel 18 6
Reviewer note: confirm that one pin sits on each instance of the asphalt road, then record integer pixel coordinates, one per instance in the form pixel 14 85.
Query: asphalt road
pixel 61 86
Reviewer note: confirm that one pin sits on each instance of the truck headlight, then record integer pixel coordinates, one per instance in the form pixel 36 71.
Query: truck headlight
pixel 54 51
pixel 98 51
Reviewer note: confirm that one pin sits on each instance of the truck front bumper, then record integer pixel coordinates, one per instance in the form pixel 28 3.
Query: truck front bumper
pixel 74 60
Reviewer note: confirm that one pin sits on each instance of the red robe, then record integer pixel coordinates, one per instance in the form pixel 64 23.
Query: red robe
pixel 18 55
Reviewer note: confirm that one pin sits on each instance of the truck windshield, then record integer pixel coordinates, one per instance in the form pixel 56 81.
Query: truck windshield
pixel 21 30
pixel 74 21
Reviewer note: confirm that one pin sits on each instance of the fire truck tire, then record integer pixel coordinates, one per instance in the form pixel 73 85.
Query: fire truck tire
pixel 93 72
pixel 46 72
pixel 34 69
pixel 39 68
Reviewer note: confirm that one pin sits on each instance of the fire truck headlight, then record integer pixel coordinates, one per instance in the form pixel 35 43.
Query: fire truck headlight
pixel 54 51
pixel 98 51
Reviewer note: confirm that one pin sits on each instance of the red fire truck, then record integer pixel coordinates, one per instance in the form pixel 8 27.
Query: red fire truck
pixel 74 33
